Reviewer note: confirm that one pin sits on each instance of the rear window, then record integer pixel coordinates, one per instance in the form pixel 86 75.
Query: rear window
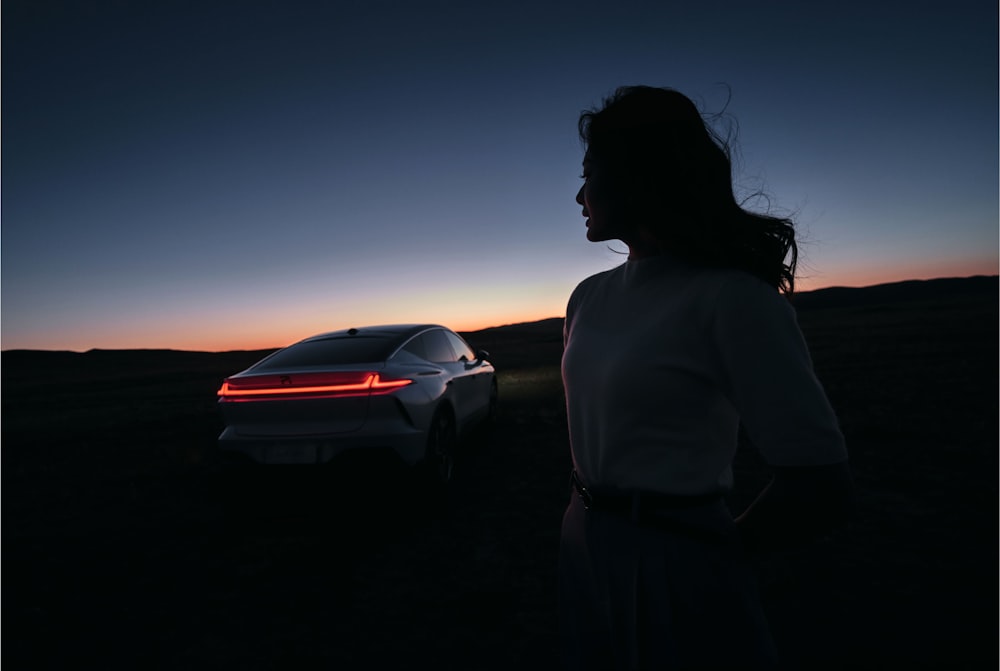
pixel 330 352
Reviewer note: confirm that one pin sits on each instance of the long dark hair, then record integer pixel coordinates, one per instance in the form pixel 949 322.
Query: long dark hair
pixel 673 172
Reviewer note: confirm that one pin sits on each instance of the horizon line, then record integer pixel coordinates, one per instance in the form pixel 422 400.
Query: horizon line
pixel 478 330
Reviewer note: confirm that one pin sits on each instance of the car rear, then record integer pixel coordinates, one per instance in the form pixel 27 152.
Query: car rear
pixel 319 398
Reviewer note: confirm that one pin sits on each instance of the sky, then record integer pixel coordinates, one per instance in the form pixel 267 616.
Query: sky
pixel 217 175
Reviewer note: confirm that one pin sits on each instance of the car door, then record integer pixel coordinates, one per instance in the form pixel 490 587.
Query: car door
pixel 475 376
pixel 440 352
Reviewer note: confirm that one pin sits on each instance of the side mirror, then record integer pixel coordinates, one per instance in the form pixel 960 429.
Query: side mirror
pixel 482 355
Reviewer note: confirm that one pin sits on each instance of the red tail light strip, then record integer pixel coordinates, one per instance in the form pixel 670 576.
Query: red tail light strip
pixel 373 383
pixel 379 383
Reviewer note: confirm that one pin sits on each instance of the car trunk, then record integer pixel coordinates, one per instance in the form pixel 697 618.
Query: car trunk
pixel 295 404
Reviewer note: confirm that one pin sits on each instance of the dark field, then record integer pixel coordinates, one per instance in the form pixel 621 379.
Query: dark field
pixel 126 543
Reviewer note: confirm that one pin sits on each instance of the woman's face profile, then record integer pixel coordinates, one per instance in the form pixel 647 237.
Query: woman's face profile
pixel 595 197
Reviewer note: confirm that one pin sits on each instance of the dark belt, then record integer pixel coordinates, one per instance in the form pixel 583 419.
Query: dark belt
pixel 638 504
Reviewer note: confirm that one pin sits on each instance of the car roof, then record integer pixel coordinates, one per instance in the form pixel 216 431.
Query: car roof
pixel 402 331
pixel 387 338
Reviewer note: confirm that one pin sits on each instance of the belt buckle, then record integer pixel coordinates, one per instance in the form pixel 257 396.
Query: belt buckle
pixel 582 492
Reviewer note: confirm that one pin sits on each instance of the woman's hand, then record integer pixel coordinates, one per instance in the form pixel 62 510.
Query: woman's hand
pixel 801 504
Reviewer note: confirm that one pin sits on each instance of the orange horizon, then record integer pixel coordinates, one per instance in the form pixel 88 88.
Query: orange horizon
pixel 284 333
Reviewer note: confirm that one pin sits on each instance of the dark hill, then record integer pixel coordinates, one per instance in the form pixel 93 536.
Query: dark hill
pixel 40 367
pixel 948 288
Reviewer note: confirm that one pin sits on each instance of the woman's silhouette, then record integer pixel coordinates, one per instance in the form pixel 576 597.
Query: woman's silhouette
pixel 668 358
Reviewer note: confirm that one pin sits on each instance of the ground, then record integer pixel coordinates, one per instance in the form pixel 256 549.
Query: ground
pixel 128 544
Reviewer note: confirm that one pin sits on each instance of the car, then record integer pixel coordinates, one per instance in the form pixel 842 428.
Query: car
pixel 413 389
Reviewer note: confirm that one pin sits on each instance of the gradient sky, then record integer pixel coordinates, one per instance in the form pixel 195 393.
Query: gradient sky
pixel 218 175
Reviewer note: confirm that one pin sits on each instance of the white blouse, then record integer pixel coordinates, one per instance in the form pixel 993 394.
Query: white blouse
pixel 663 360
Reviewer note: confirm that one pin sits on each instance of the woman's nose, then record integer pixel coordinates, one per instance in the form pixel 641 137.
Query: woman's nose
pixel 579 196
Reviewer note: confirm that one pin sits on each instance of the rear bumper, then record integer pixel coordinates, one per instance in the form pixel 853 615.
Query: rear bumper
pixel 409 446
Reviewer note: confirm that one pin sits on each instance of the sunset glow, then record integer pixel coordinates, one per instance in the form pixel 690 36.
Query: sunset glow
pixel 176 182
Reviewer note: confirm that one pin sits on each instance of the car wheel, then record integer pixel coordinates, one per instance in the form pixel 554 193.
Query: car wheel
pixel 442 442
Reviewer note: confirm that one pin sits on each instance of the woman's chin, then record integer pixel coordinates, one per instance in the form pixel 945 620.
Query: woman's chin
pixel 596 235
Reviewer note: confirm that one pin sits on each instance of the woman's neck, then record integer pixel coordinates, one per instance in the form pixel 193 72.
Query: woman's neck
pixel 643 249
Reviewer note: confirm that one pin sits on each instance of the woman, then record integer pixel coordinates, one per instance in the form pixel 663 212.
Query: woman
pixel 668 358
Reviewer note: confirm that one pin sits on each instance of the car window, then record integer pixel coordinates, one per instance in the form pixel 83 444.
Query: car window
pixel 416 347
pixel 461 348
pixel 438 349
pixel 329 352
pixel 407 357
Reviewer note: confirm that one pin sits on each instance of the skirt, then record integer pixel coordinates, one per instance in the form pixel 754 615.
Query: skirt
pixel 677 593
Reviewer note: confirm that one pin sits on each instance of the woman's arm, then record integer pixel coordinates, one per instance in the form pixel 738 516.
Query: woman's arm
pixel 769 377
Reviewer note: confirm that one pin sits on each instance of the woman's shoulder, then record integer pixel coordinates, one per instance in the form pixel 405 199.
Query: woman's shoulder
pixel 587 290
pixel 594 280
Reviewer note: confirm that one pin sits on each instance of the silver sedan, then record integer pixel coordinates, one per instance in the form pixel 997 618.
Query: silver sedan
pixel 415 389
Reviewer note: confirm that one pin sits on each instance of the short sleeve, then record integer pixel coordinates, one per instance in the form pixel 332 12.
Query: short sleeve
pixel 768 376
